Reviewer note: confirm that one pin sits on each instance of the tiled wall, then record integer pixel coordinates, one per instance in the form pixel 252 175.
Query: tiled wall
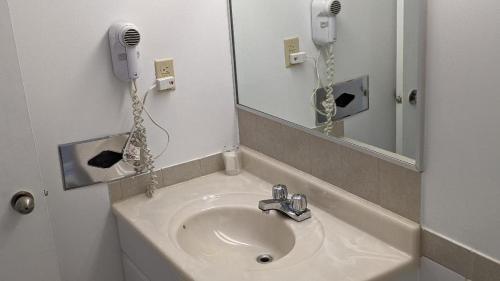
pixel 391 186
pixel 127 187
pixel 459 258
pixel 431 271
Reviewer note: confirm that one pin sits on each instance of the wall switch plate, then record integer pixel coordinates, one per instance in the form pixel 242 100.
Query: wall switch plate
pixel 164 68
pixel 291 46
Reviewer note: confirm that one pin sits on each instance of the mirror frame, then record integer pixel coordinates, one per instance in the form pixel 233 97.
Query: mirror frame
pixel 416 164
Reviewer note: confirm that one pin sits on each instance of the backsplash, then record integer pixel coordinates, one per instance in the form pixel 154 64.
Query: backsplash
pixel 390 186
pixel 464 260
pixel 131 186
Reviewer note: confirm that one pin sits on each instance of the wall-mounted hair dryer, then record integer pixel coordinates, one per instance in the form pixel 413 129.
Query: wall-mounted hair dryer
pixel 323 21
pixel 123 41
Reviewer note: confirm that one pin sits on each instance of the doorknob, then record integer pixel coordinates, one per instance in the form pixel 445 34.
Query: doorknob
pixel 412 97
pixel 23 202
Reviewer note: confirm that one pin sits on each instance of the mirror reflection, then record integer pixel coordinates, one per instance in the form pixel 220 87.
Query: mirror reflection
pixel 348 69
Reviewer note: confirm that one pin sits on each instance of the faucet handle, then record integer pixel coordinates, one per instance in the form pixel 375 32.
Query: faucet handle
pixel 280 192
pixel 298 204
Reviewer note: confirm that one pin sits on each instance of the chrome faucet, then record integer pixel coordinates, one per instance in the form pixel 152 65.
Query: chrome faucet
pixel 295 207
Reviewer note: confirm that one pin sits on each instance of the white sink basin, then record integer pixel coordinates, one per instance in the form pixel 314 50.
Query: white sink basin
pixel 228 228
pixel 235 235
pixel 210 228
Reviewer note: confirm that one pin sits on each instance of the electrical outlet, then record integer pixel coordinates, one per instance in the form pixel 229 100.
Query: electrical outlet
pixel 291 46
pixel 164 68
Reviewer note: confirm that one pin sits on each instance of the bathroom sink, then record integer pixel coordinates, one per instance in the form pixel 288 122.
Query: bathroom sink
pixel 210 228
pixel 228 228
pixel 241 236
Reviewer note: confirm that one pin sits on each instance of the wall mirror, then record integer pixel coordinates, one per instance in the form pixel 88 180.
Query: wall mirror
pixel 349 70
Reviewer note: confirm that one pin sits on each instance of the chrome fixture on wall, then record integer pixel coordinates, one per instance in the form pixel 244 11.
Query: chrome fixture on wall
pixel 94 161
pixel 351 97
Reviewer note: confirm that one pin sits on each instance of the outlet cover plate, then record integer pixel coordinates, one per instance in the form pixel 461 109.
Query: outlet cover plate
pixel 291 45
pixel 164 68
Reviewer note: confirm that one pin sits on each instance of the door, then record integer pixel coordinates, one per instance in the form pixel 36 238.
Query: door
pixel 26 245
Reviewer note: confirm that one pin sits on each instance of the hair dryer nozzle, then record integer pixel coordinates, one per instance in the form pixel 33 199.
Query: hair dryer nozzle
pixel 335 7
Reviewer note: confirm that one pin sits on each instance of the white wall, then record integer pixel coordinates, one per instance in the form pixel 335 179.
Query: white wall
pixel 73 95
pixel 461 183
pixel 362 48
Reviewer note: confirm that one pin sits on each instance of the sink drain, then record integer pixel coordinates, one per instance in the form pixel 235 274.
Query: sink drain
pixel 263 259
